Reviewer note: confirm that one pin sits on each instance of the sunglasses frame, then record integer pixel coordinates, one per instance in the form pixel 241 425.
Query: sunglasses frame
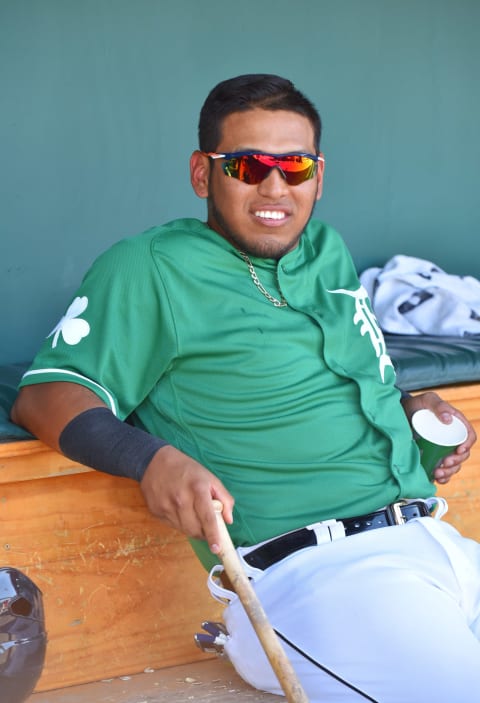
pixel 227 156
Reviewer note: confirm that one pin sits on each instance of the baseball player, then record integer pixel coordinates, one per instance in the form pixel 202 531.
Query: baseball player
pixel 239 359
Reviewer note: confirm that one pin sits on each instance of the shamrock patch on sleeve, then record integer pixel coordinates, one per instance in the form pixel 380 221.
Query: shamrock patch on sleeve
pixel 72 328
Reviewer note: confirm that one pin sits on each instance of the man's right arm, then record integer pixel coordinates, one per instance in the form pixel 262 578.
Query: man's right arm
pixel 45 409
pixel 177 489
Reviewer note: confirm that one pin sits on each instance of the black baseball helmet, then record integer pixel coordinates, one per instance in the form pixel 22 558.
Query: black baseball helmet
pixel 23 639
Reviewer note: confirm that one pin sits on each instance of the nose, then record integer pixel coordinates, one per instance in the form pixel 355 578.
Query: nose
pixel 274 185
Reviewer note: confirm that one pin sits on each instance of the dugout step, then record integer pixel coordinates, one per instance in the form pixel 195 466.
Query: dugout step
pixel 212 681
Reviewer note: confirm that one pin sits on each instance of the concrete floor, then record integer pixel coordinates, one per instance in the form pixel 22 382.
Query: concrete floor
pixel 211 681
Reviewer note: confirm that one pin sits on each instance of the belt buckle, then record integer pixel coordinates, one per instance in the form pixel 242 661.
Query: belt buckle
pixel 395 510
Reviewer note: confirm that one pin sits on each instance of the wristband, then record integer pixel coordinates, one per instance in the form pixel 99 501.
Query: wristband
pixel 100 440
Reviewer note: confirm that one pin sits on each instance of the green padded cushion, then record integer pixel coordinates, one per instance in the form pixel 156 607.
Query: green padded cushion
pixel 423 361
pixel 10 376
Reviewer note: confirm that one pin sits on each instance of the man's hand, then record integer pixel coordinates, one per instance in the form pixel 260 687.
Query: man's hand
pixel 179 491
pixel 444 411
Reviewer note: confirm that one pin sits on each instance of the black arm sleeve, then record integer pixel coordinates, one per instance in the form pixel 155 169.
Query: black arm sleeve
pixel 100 440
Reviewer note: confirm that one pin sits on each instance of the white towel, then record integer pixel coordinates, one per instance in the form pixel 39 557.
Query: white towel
pixel 414 296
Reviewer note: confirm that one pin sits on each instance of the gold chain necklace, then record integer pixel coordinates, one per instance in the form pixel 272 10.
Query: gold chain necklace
pixel 278 303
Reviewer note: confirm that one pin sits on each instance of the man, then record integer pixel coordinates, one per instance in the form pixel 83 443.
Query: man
pixel 246 355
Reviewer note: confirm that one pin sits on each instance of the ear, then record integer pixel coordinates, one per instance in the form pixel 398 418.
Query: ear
pixel 199 173
pixel 320 171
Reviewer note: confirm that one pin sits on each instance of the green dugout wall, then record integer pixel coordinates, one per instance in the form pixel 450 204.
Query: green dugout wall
pixel 98 110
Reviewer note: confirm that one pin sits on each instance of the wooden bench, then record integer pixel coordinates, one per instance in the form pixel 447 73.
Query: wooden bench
pixel 123 593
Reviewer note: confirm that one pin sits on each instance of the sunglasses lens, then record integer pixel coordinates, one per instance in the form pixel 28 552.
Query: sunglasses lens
pixel 254 168
pixel 298 169
pixel 247 169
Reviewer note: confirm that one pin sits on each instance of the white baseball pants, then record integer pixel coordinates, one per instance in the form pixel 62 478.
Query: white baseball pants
pixel 394 613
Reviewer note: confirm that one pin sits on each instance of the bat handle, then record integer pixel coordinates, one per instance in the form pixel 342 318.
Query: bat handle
pixel 271 645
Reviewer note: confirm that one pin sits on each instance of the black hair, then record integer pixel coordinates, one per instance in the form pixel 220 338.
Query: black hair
pixel 256 90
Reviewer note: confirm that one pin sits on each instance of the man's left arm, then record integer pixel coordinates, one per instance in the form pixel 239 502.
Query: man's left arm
pixel 444 411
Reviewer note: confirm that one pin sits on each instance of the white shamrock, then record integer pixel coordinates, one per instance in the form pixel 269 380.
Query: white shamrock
pixel 72 329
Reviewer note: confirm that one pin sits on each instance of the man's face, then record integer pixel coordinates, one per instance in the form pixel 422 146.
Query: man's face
pixel 267 219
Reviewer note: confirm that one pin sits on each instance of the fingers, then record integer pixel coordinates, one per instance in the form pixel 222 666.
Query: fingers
pixel 210 522
pixel 445 413
pixel 179 491
pixel 452 463
pixel 445 471
pixel 471 436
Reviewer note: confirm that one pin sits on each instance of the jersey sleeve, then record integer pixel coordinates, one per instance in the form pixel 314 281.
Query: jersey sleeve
pixel 117 336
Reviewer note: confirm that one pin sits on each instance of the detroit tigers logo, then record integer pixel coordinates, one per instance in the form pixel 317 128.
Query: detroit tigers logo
pixel 368 325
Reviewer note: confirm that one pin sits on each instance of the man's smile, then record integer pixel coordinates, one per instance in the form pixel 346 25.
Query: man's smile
pixel 271 215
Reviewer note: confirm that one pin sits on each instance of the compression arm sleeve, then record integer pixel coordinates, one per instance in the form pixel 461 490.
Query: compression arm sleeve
pixel 100 440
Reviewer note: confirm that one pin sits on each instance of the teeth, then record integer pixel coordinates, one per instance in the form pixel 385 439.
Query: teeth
pixel 270 214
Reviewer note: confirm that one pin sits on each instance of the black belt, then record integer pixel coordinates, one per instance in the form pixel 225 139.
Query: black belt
pixel 280 547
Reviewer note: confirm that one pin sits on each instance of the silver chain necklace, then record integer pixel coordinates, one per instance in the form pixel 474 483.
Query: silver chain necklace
pixel 278 303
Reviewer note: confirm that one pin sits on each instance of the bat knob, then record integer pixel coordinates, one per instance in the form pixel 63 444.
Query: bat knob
pixel 217 506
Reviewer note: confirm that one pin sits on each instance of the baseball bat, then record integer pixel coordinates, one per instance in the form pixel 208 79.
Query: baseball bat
pixel 271 645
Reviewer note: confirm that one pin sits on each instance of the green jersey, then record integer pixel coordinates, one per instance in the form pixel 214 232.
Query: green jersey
pixel 294 408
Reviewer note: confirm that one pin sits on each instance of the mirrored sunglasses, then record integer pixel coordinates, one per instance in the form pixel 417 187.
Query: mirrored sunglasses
pixel 252 167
